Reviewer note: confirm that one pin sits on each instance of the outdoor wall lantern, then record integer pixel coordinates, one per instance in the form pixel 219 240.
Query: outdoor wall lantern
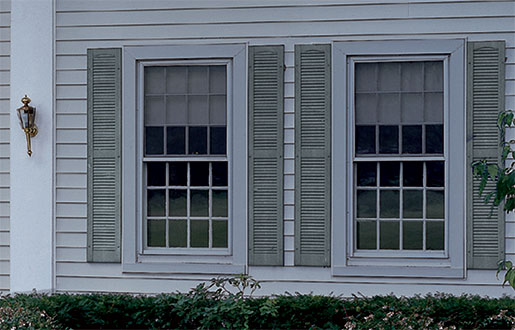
pixel 27 116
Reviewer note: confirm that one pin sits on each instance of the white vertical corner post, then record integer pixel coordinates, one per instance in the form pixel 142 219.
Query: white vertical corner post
pixel 32 178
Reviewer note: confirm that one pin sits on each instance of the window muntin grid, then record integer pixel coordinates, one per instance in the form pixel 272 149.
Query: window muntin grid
pixel 187 204
pixel 398 122
pixel 185 110
pixel 185 125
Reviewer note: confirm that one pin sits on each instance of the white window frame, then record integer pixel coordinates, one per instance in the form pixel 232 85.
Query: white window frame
pixel 144 251
pixel 135 258
pixel 347 262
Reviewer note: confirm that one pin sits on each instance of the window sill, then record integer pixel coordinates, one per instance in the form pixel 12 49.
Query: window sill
pixel 184 268
pixel 399 271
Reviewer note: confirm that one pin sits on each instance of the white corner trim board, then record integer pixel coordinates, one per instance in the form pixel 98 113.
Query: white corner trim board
pixel 32 184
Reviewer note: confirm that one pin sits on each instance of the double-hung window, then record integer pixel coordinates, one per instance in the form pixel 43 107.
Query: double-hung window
pixel 399 201
pixel 184 118
pixel 399 156
pixel 185 162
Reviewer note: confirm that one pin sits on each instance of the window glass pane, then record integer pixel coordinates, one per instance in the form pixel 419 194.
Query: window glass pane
pixel 433 107
pixel 389 204
pixel 217 79
pixel 177 80
pixel 433 76
pixel 412 201
pixel 366 76
pixel 367 235
pixel 197 140
pixel 176 110
pixel 154 110
pixel 220 233
pixel 156 233
pixel 366 203
pixel 175 140
pixel 366 108
pixel 178 233
pixel 413 174
pixel 435 174
pixel 412 139
pixel 177 202
pixel 412 76
pixel 199 174
pixel 389 108
pixel 198 80
pixel 412 108
pixel 218 140
pixel 220 203
pixel 199 231
pixel 217 109
pixel 199 203
pixel 367 175
pixel 198 110
pixel 412 235
pixel 435 204
pixel 154 80
pixel 435 235
pixel 155 202
pixel 389 235
pixel 154 140
pixel 388 139
pixel 390 174
pixel 434 139
pixel 365 139
pixel 156 174
pixel 389 76
pixel 219 173
pixel 177 175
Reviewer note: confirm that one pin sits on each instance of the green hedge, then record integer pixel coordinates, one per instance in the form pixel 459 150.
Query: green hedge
pixel 214 306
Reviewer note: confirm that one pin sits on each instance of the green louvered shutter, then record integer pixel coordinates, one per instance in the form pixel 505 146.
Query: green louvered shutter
pixel 104 155
pixel 485 100
pixel 266 90
pixel 312 154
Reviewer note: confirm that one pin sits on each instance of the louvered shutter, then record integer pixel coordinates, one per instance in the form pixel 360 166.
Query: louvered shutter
pixel 485 100
pixel 266 85
pixel 104 154
pixel 312 154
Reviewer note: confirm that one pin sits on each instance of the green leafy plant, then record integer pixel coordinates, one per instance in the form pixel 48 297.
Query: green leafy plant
pixel 18 317
pixel 504 179
pixel 207 307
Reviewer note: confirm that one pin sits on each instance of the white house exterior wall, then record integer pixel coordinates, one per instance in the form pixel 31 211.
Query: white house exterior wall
pixel 5 63
pixel 94 24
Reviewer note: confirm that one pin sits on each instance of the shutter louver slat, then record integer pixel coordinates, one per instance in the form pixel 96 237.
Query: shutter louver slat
pixel 104 168
pixel 266 83
pixel 312 147
pixel 485 101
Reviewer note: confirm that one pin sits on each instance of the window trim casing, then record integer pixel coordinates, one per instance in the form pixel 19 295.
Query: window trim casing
pixel 131 235
pixel 345 265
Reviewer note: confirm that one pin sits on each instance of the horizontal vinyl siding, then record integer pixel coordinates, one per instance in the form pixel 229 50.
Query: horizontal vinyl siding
pixel 93 24
pixel 5 47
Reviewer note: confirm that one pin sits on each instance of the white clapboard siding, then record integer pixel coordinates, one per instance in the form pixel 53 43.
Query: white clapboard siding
pixel 5 64
pixel 285 13
pixel 114 23
pixel 495 24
